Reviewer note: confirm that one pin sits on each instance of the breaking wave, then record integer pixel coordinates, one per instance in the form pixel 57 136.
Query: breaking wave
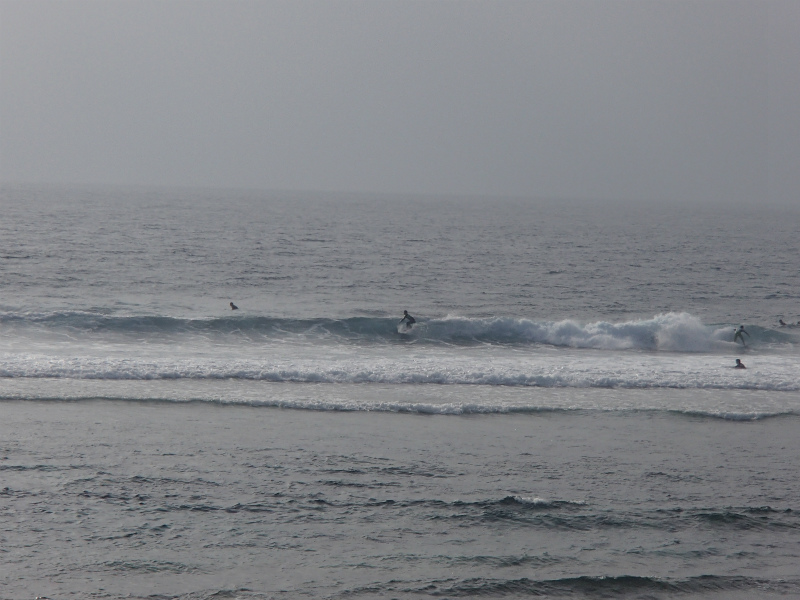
pixel 670 332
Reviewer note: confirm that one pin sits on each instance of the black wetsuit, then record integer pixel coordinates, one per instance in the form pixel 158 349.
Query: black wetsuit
pixel 409 320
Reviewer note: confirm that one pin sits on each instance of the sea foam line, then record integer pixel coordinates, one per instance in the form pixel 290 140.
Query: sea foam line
pixel 570 369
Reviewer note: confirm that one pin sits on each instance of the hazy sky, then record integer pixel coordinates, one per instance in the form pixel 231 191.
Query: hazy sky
pixel 633 99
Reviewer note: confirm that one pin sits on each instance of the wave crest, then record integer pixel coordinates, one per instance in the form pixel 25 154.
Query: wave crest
pixel 670 332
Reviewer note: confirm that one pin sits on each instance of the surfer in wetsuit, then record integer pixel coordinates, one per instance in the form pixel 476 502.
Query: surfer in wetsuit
pixel 739 364
pixel 738 335
pixel 781 323
pixel 233 306
pixel 408 319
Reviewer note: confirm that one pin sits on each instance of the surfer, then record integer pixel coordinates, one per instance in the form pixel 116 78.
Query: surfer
pixel 781 322
pixel 739 364
pixel 409 320
pixel 233 306
pixel 738 333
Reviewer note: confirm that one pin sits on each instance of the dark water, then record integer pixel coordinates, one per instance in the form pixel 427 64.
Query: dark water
pixel 158 500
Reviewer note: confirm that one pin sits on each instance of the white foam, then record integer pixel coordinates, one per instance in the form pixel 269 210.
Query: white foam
pixel 672 332
pixel 402 364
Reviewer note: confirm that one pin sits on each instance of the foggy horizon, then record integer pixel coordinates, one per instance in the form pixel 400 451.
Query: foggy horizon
pixel 678 101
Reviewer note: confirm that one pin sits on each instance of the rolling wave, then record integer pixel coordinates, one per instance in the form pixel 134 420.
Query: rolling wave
pixel 668 351
pixel 670 332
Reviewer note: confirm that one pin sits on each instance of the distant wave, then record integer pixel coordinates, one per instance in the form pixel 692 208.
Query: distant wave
pixel 670 332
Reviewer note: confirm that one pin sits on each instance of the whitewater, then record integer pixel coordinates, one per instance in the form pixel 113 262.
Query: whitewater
pixel 674 350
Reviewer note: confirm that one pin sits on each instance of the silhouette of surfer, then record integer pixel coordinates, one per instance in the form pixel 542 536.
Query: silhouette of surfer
pixel 738 335
pixel 409 320
pixel 781 322
pixel 233 306
pixel 739 364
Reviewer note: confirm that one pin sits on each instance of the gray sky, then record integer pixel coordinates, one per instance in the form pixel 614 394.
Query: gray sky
pixel 632 99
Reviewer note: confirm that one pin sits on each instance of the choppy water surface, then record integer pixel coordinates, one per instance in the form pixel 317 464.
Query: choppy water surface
pixel 572 422
pixel 246 502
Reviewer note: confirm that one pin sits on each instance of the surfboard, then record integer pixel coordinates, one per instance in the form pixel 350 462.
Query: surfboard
pixel 404 328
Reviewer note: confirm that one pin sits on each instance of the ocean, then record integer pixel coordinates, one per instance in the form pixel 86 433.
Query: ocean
pixel 563 420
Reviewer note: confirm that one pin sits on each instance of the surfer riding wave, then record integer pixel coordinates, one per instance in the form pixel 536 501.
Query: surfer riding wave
pixel 408 319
